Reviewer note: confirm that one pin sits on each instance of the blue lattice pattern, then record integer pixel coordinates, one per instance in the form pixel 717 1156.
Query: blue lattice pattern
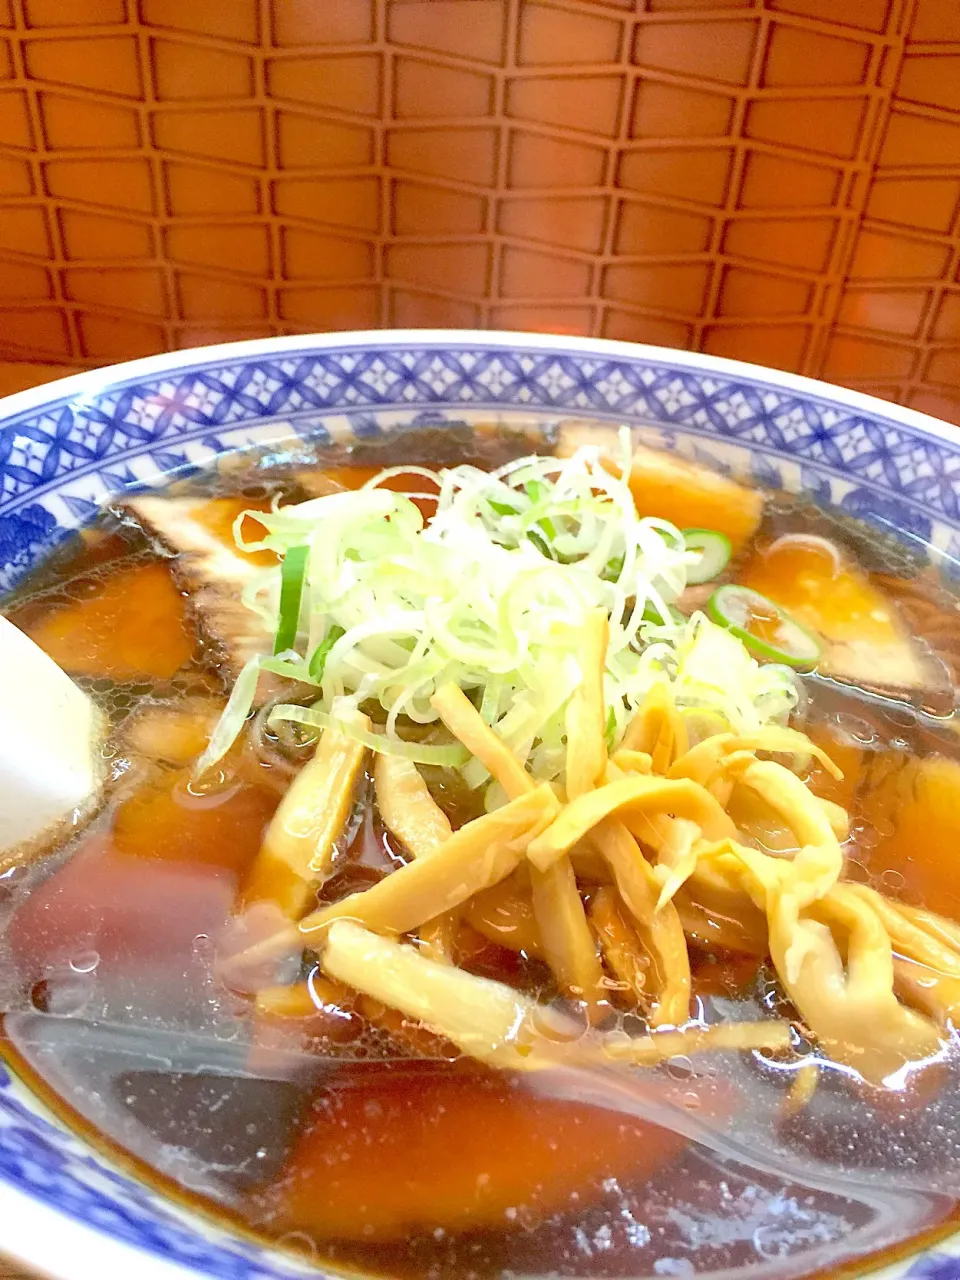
pixel 58 463
pixel 39 1157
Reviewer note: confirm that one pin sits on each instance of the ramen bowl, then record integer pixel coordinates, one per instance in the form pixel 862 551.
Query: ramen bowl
pixel 69 1210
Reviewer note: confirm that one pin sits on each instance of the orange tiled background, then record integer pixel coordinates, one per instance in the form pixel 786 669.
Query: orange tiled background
pixel 772 179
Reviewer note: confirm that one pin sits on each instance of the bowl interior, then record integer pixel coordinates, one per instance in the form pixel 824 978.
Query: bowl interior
pixel 68 448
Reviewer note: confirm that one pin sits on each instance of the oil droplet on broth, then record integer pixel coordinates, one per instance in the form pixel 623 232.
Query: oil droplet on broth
pixel 555 1026
pixel 298 1241
pixel 673 1267
pixel 860 732
pixel 680 1067
pixel 61 996
pixel 85 961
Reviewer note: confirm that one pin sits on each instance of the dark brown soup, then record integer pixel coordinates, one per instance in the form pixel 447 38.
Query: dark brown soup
pixel 147 983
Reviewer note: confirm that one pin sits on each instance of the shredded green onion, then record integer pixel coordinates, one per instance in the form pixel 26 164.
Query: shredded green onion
pixel 294 668
pixel 238 707
pixel 610 730
pixel 319 659
pixel 292 572
pixel 491 592
pixel 451 755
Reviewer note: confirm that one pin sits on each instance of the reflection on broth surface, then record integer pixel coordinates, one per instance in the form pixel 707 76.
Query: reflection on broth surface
pixel 505 926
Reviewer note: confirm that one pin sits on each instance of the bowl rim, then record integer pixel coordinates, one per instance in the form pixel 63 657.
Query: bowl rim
pixel 95 381
pixel 58 1245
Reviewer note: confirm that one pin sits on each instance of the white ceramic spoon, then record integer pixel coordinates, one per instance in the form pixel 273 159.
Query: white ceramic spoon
pixel 51 766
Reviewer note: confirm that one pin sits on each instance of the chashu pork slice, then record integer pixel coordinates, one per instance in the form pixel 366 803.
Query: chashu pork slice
pixel 866 640
pixel 671 487
pixel 209 565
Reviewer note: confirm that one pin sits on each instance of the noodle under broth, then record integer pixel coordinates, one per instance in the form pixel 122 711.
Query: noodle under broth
pixel 660 984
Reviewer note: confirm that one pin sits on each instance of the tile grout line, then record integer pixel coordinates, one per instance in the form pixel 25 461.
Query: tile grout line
pixel 513 17
pixel 735 178
pixel 268 127
pixel 386 188
pixel 57 266
pixel 154 160
pixel 614 204
pixel 860 179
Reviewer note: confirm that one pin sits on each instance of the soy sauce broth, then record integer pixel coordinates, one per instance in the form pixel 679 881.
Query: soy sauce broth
pixel 360 1139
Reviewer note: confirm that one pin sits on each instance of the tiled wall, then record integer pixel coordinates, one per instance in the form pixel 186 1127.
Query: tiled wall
pixel 777 180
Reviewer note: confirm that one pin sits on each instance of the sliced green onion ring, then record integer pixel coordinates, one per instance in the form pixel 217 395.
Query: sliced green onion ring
pixel 715 551
pixel 292 573
pixel 733 607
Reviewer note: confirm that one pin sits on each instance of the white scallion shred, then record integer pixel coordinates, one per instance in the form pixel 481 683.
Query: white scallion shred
pixel 239 706
pixel 451 755
pixel 491 593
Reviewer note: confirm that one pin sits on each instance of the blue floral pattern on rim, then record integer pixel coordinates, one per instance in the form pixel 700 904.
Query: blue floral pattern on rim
pixel 63 457
pixel 886 471
pixel 935 1267
pixel 39 1157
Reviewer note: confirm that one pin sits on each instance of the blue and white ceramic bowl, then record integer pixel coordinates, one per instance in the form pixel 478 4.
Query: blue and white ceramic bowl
pixel 66 448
